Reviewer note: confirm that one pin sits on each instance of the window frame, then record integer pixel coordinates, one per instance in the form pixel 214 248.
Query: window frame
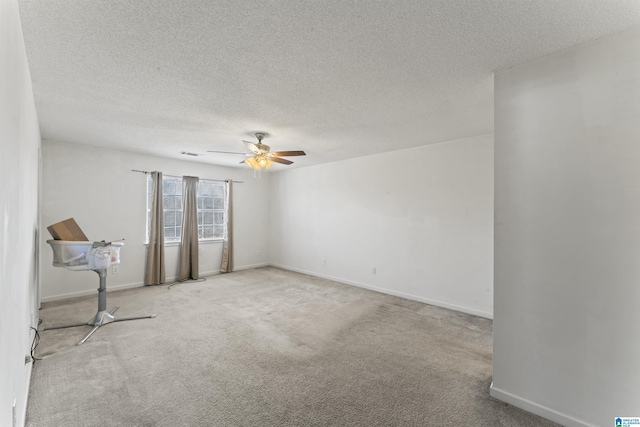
pixel 217 213
pixel 210 207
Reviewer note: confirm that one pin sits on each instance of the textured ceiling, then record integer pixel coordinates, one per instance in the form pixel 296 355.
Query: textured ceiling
pixel 338 79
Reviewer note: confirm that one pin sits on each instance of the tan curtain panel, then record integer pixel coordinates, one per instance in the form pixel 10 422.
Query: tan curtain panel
pixel 189 241
pixel 227 247
pixel 154 272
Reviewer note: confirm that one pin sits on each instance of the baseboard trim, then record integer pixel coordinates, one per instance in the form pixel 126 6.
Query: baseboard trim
pixel 29 367
pixel 112 288
pixel 250 266
pixel 429 301
pixel 91 291
pixel 534 408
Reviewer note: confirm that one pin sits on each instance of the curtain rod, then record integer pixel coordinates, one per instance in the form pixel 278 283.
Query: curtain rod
pixel 206 179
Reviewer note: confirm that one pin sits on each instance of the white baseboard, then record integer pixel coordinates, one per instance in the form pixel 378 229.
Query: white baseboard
pixel 534 408
pixel 250 266
pixel 112 288
pixel 29 367
pixel 91 291
pixel 206 273
pixel 429 301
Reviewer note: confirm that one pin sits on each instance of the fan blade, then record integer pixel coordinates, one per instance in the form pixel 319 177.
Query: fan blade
pixel 228 152
pixel 253 147
pixel 289 153
pixel 279 160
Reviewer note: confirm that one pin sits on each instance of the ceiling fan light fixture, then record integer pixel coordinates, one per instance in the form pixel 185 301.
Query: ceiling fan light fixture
pixel 261 155
pixel 253 163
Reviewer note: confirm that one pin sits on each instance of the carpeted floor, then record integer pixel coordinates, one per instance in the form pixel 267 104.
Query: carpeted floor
pixel 266 347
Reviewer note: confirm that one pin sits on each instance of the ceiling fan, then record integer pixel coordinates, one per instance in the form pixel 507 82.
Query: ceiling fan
pixel 261 156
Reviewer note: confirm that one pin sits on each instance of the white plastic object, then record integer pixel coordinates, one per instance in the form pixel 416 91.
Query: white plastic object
pixel 74 255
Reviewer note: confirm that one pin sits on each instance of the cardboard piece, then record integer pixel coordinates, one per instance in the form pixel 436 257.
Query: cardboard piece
pixel 67 230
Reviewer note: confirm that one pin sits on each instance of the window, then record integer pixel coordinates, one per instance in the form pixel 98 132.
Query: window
pixel 210 203
pixel 210 210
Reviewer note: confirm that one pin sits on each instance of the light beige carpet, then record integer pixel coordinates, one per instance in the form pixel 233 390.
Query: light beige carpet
pixel 266 347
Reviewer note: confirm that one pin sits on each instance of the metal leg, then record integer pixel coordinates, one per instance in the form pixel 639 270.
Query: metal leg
pixel 124 319
pixel 103 316
pixel 95 328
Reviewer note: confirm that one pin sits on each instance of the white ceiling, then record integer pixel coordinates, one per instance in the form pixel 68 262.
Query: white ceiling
pixel 336 78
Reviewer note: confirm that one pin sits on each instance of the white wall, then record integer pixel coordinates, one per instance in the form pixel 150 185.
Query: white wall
pixel 567 213
pixel 422 217
pixel 97 187
pixel 19 148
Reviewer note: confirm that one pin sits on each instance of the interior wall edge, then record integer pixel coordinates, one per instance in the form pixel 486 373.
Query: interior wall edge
pixel 567 231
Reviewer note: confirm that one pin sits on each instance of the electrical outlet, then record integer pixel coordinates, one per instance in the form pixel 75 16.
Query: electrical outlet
pixel 373 270
pixel 324 261
pixel 115 269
